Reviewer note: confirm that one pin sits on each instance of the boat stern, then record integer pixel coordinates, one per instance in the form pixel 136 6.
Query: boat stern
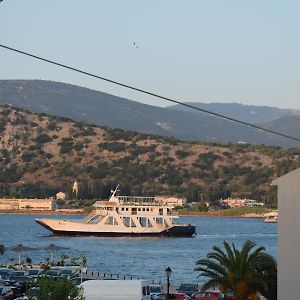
pixel 180 231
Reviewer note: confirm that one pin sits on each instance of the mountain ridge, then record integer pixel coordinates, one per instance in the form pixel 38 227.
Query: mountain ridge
pixel 83 104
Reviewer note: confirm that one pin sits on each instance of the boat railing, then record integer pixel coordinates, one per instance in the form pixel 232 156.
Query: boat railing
pixel 141 203
pixel 89 217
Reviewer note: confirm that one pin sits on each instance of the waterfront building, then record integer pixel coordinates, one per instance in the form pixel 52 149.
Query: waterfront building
pixel 288 235
pixel 237 202
pixel 60 196
pixel 26 204
pixel 169 200
pixel 233 202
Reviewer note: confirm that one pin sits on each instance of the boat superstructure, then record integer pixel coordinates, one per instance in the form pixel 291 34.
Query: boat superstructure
pixel 123 216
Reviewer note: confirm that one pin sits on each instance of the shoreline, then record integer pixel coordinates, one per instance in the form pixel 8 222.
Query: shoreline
pixel 82 212
pixel 44 212
pixel 253 216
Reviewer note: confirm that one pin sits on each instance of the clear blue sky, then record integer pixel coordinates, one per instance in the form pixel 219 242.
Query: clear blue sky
pixel 194 50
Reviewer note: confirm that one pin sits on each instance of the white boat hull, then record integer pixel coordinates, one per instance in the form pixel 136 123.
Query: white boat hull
pixel 73 228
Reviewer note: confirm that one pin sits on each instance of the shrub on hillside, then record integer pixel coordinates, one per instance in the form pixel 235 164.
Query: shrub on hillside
pixel 113 147
pixel 66 145
pixel 181 154
pixel 43 138
pixel 27 156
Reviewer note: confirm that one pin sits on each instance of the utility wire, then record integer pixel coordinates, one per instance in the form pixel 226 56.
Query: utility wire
pixel 150 93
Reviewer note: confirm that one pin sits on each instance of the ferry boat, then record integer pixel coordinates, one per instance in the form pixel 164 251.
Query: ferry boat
pixel 123 216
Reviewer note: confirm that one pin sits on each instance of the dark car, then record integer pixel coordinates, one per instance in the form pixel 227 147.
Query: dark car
pixel 53 273
pixel 188 288
pixel 6 293
pixel 33 273
pixel 5 273
pixel 19 276
pixel 18 289
pixel 67 273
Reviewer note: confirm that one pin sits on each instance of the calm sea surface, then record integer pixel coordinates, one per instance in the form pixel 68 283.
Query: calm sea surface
pixel 144 257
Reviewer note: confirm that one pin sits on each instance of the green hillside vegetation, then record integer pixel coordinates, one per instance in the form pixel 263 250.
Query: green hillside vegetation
pixel 41 155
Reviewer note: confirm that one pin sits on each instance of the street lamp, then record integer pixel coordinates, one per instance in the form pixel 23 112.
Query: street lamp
pixel 168 272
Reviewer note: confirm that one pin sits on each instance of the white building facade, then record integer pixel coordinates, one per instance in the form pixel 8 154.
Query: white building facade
pixel 289 235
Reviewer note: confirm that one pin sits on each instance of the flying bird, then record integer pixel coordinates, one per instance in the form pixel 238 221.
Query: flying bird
pixel 135 45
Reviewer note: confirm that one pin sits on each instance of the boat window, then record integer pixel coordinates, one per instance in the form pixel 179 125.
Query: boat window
pixel 147 209
pixel 144 291
pixel 126 208
pixel 143 221
pixel 159 220
pixel 111 221
pixel 126 221
pixel 149 223
pixel 148 290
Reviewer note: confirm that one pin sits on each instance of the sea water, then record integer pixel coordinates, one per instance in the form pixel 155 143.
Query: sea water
pixel 143 257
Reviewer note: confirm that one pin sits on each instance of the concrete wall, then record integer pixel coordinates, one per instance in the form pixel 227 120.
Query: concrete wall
pixel 289 236
pixel 21 204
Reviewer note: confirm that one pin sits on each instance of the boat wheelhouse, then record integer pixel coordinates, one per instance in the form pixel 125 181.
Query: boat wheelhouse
pixel 124 216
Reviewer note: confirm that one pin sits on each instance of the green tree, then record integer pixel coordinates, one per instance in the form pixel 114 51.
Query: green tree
pixel 28 260
pixel 54 289
pixel 244 272
pixel 63 258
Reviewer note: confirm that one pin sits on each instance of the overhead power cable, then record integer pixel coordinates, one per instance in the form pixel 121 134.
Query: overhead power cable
pixel 150 93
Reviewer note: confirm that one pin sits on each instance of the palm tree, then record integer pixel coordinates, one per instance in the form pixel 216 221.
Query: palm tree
pixel 243 272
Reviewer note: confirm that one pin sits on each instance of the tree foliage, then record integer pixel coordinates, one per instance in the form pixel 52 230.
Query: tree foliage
pixel 54 289
pixel 244 272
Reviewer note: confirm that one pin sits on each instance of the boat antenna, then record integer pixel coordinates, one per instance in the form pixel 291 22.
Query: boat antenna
pixel 115 191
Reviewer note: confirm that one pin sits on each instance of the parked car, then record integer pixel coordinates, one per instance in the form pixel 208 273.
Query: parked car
pixel 211 295
pixel 208 295
pixel 19 276
pixel 155 289
pixel 179 296
pixel 33 273
pixel 188 288
pixel 53 273
pixel 6 293
pixel 161 296
pixel 67 273
pixel 17 288
pixel 4 273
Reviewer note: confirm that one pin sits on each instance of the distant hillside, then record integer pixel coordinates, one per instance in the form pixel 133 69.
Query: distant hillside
pixel 42 154
pixel 248 113
pixel 82 104
pixel 289 125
